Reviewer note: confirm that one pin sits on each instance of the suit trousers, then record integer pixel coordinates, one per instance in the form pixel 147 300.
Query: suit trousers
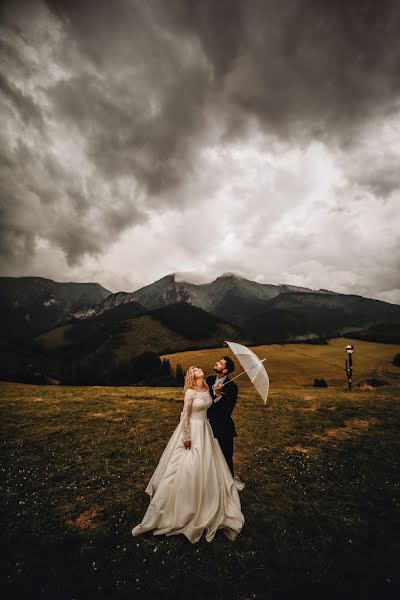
pixel 226 444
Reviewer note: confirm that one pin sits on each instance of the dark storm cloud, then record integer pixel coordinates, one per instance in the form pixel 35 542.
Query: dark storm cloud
pixel 325 67
pixel 144 83
pixel 382 182
pixel 125 139
pixel 145 103
pixel 24 105
pixel 300 64
pixel 305 69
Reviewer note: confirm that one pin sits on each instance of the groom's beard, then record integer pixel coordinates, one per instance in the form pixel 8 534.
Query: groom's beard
pixel 216 370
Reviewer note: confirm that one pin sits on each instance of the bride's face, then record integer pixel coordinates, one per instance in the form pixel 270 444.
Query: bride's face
pixel 198 373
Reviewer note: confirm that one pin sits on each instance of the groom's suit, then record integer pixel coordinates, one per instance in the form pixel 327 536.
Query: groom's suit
pixel 219 415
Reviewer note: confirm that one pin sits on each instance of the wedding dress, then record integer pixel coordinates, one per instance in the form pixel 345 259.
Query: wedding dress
pixel 192 489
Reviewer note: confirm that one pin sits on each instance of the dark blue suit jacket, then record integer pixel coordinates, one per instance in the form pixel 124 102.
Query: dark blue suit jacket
pixel 219 413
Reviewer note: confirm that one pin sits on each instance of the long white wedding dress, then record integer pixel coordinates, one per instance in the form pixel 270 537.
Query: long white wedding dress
pixel 192 490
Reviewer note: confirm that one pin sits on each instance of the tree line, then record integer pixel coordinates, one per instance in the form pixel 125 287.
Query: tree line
pixel 145 369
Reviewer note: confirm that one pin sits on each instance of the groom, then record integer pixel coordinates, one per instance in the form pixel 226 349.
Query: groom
pixel 224 400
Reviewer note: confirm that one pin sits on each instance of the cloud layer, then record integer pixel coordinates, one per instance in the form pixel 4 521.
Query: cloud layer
pixel 143 138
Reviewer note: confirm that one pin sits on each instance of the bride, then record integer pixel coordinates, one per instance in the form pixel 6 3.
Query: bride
pixel 192 489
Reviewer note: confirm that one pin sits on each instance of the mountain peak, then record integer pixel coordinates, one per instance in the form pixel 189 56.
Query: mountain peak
pixel 166 278
pixel 230 274
pixel 196 278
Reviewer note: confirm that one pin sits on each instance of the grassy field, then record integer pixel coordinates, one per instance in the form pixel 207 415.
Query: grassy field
pixel 299 364
pixel 321 502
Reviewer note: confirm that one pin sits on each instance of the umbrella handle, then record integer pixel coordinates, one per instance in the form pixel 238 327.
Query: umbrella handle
pixel 222 384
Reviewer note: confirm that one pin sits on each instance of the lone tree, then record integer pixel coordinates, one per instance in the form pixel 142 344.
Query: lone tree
pixel 179 377
pixel 166 367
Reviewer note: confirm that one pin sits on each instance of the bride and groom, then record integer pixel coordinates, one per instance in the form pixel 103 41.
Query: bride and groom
pixel 193 488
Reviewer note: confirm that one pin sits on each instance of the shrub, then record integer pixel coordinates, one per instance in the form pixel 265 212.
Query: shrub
pixel 396 360
pixel 320 383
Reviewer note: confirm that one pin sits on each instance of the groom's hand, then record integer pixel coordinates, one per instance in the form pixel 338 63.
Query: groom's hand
pixel 217 390
pixel 187 443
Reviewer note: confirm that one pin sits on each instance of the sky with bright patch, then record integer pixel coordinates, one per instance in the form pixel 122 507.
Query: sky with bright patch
pixel 141 138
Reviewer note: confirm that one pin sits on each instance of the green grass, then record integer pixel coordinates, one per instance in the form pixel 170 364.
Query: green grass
pixel 321 502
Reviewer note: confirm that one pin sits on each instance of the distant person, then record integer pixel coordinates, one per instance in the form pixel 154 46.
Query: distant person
pixel 192 489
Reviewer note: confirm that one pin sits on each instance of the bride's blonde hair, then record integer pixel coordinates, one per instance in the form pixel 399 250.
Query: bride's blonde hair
pixel 190 379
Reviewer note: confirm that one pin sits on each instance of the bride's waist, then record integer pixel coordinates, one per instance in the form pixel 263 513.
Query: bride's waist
pixel 197 416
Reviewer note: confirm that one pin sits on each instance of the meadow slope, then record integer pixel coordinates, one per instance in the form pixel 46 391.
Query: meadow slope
pixel 321 502
pixel 298 364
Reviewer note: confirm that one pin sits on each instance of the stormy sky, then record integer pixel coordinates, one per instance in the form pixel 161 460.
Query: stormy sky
pixel 141 138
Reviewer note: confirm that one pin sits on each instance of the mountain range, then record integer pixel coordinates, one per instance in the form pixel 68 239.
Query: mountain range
pixel 262 312
pixel 172 314
pixel 229 296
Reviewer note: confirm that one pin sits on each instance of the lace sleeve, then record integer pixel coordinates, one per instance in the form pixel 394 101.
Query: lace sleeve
pixel 187 410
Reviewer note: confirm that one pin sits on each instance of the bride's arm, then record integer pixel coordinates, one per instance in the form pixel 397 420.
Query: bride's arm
pixel 187 410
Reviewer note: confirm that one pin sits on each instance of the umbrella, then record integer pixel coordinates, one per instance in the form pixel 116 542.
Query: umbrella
pixel 253 367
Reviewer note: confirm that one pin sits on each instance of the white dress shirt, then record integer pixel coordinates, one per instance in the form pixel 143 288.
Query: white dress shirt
pixel 217 382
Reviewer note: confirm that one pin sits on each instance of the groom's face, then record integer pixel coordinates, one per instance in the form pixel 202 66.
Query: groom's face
pixel 219 366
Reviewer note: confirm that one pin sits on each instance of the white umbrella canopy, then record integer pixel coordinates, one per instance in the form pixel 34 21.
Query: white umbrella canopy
pixel 253 367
